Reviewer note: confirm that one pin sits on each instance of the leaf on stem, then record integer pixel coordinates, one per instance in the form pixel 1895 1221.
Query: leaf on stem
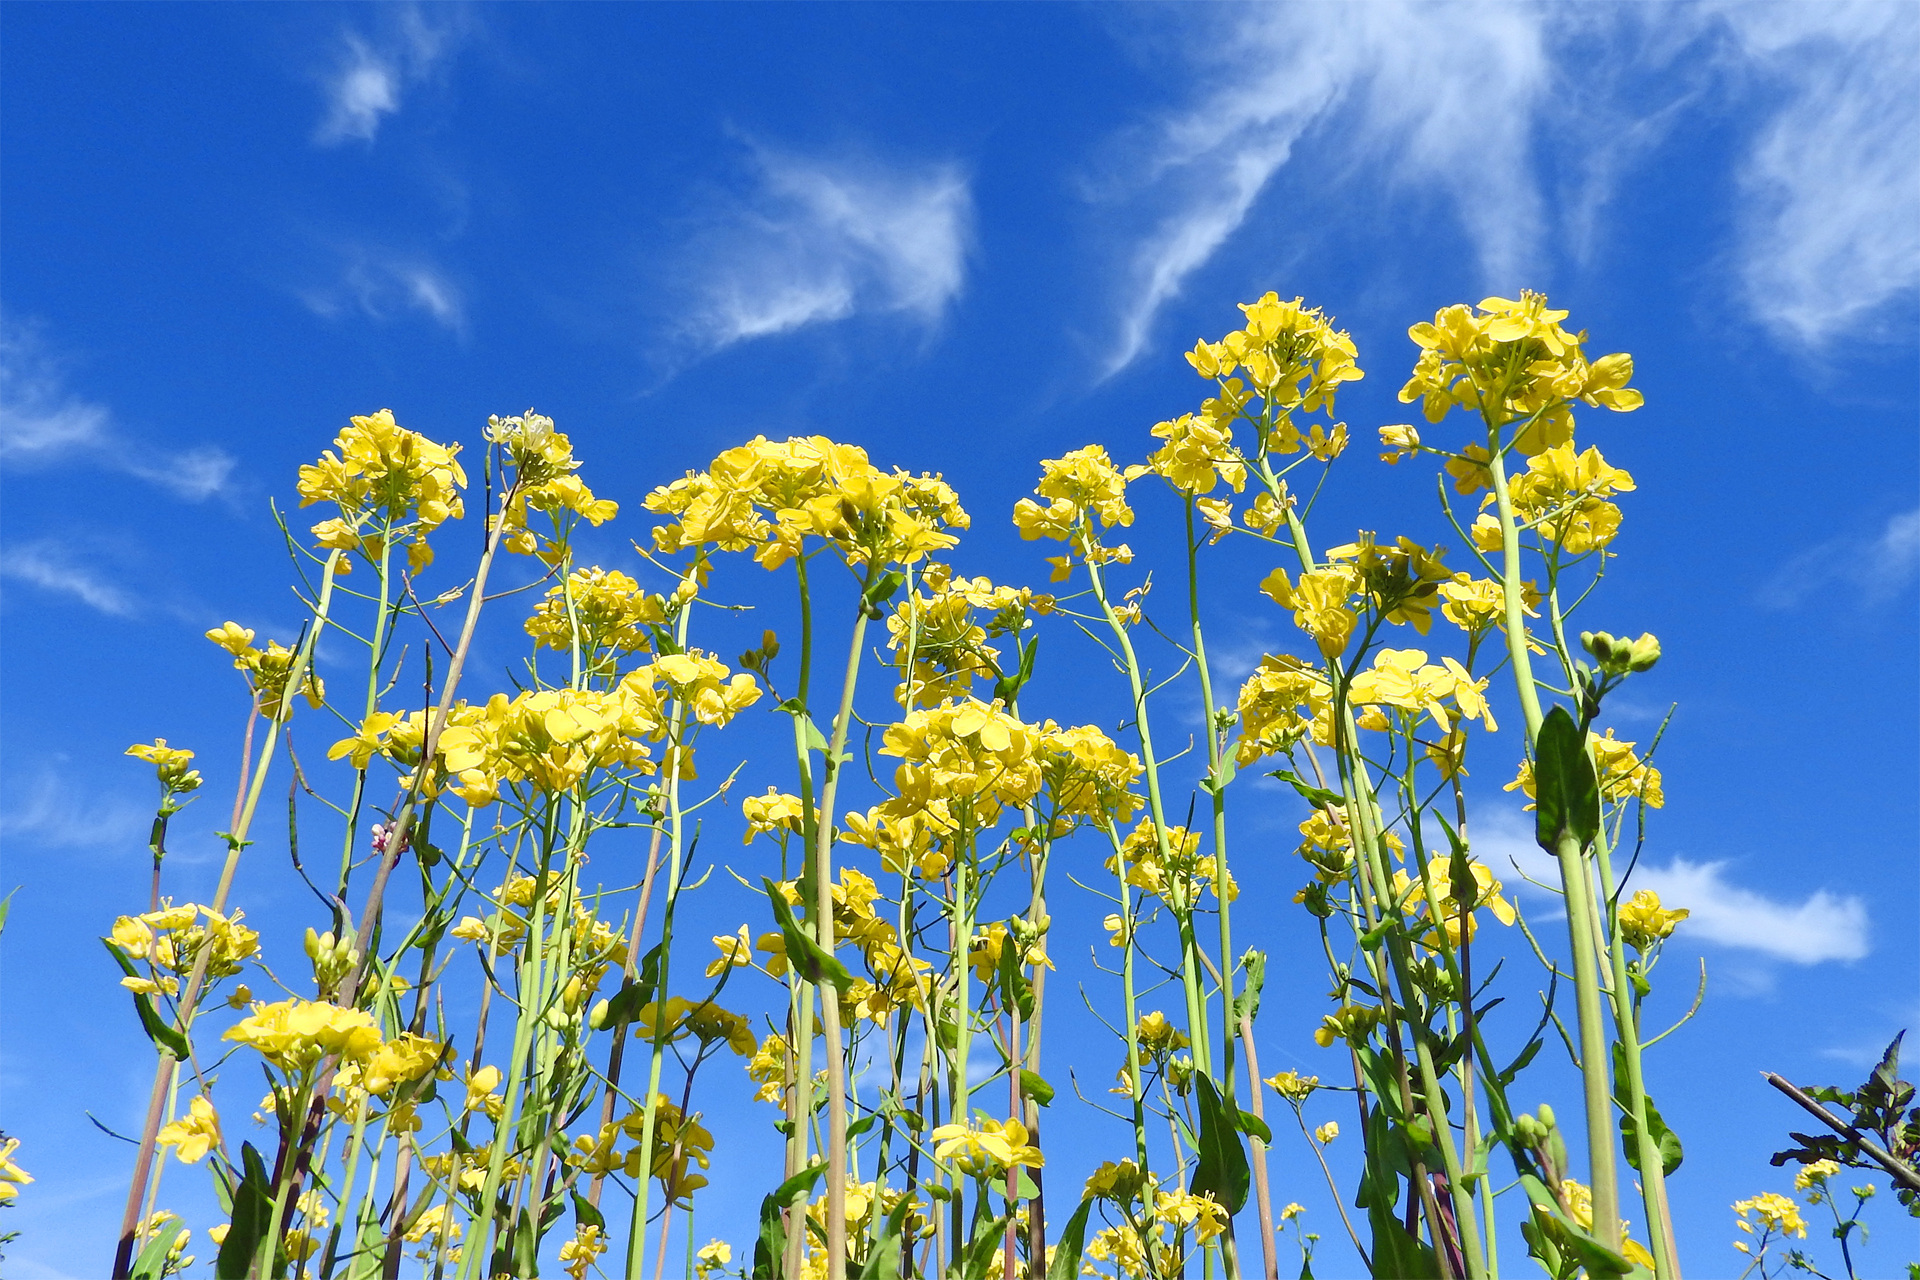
pixel 1566 788
pixel 1222 1170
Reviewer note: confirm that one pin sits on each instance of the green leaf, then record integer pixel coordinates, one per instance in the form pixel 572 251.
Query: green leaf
pixel 1664 1140
pixel 1008 688
pixel 1318 797
pixel 1216 782
pixel 808 958
pixel 585 1214
pixel 1073 1243
pixel 1566 790
pixel 152 1262
pixel 167 1037
pixel 1222 1170
pixel 1253 1125
pixel 252 1213
pixel 638 994
pixel 982 1257
pixel 1025 1188
pixel 1034 1085
pixel 6 908
pixel 882 588
pixel 1246 1005
pixel 1601 1263
pixel 863 1124
pixel 1394 1252
pixel 884 1262
pixel 769 1251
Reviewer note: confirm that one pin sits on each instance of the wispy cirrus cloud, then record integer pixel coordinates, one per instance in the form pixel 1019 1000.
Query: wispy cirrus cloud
pixel 1442 95
pixel 1498 109
pixel 1873 569
pixel 44 423
pixel 1830 220
pixel 816 241
pixel 382 284
pixel 372 73
pixel 54 567
pixel 1820 927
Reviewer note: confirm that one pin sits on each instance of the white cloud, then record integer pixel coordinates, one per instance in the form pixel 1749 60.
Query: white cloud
pixel 1444 95
pixel 1823 926
pixel 1826 926
pixel 370 75
pixel 54 814
pixel 380 284
pixel 819 242
pixel 1485 105
pixel 43 423
pixel 1832 216
pixel 1873 570
pixel 51 567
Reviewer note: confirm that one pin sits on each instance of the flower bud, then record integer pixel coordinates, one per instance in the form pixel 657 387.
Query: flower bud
pixel 1644 652
pixel 597 1016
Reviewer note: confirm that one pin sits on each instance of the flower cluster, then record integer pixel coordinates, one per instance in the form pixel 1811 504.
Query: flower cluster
pixel 939 633
pixel 387 482
pixel 295 1034
pixel 1085 493
pixel 1292 356
pixel 543 464
pixel 1170 868
pixel 268 670
pixel 1271 707
pixel 1645 923
pixel 172 940
pixel 987 1150
pixel 771 496
pixel 1448 904
pixel 169 765
pixel 1404 681
pixel 1513 362
pixel 605 609
pixel 1624 776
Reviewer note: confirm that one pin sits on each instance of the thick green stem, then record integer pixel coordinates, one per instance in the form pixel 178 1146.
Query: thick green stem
pixel 1575 882
pixel 823 922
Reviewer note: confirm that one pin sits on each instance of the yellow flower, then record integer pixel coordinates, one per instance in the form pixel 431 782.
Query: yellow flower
pixel 609 608
pixel 769 1067
pixel 232 637
pixel 169 763
pixel 1282 702
pixel 992 1149
pixel 711 1258
pixel 1815 1174
pixel 1293 1086
pixel 1774 1212
pixel 195 1135
pixel 772 814
pixel 578 1254
pixel 1350 1022
pixel 295 1034
pixel 1644 923
pixel 1514 360
pixel 401 1060
pixel 12 1176
pixel 735 950
pixel 1198 452
pixel 1119 1182
pixel 1401 441
pixel 1327 1132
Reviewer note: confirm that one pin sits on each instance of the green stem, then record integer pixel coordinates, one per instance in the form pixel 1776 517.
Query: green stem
pixel 1575 882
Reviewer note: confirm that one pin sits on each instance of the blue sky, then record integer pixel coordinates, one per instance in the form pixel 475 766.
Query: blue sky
pixel 965 238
